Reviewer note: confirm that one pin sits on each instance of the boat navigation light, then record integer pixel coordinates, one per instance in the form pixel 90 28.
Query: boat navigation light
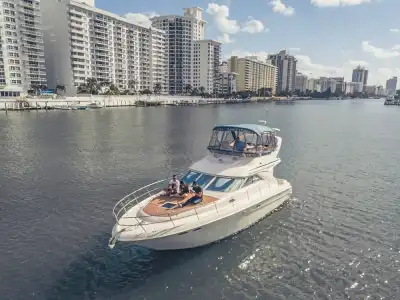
pixel 262 121
pixel 276 129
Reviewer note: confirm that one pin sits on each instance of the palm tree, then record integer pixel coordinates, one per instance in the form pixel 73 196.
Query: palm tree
pixel 157 88
pixel 112 90
pixel 132 84
pixel 92 86
pixel 202 90
pixel 195 92
pixel 188 88
pixel 61 88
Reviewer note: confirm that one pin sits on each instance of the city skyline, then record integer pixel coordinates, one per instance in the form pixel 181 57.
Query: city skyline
pixel 266 27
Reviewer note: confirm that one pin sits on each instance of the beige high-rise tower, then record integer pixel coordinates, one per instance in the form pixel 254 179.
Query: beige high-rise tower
pixel 252 74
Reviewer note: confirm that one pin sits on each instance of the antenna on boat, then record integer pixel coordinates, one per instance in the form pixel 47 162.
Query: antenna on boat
pixel 264 122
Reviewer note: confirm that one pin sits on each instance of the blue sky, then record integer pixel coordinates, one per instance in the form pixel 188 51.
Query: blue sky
pixel 329 37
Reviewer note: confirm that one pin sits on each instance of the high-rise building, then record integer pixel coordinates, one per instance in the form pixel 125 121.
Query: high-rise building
pixel 252 74
pixel 313 85
pixel 22 63
pixel 360 74
pixel 82 41
pixel 301 82
pixel 327 83
pixel 223 67
pixel 354 87
pixel 206 62
pixel 227 82
pixel 286 65
pixel 391 86
pixel 181 32
pixel 340 84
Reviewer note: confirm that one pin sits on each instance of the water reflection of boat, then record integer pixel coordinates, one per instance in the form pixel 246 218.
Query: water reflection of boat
pixel 239 189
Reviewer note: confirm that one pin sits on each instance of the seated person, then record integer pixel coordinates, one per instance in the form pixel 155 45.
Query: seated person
pixel 196 198
pixel 173 187
pixel 184 188
pixel 239 145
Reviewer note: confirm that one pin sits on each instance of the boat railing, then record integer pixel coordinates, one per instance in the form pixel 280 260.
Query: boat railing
pixel 130 200
pixel 137 196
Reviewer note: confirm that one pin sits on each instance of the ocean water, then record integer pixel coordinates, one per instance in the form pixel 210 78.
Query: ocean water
pixel 61 172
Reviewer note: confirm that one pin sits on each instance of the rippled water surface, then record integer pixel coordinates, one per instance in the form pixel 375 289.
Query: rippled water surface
pixel 338 238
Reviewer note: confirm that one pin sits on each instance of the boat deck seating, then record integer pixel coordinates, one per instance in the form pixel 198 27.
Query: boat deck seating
pixel 154 207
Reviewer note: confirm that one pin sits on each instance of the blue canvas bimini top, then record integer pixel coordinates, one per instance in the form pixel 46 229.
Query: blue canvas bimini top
pixel 258 129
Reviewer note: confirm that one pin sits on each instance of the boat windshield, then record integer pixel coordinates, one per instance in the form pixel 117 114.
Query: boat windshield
pixel 190 177
pixel 204 179
pixel 225 184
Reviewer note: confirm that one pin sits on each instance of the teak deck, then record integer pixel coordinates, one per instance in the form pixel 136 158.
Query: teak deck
pixel 154 207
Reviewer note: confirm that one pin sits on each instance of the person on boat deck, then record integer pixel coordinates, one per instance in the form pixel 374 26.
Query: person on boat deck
pixel 184 188
pixel 198 195
pixel 173 186
pixel 239 145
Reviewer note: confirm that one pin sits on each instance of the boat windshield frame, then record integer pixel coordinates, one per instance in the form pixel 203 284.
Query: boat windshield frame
pixel 223 141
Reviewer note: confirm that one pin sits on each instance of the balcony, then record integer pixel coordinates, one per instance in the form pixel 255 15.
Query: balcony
pixel 29 46
pixel 29 31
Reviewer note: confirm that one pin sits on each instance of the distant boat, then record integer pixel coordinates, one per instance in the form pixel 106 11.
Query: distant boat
pixel 94 105
pixel 390 100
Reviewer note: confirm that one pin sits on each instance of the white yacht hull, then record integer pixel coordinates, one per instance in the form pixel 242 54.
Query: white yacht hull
pixel 219 229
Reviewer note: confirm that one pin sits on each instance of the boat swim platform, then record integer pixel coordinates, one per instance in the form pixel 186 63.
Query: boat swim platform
pixel 154 207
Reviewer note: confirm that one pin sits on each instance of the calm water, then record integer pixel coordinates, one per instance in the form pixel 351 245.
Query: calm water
pixel 61 172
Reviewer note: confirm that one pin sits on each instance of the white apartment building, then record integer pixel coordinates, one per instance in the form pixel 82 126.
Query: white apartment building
pixel 223 67
pixel 227 82
pixel 206 62
pixel 181 32
pixel 354 87
pixel 327 83
pixel 286 69
pixel 391 86
pixel 22 65
pixel 301 82
pixel 82 41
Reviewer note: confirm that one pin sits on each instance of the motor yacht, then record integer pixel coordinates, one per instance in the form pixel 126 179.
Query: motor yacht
pixel 239 189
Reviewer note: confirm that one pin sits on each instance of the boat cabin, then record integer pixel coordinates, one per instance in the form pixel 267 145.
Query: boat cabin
pixel 244 139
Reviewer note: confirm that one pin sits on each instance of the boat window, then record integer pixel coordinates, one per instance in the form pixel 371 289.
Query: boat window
pixel 251 180
pixel 190 177
pixel 224 184
pixel 204 179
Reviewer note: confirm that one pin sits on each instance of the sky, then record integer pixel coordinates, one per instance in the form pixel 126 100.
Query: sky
pixel 328 37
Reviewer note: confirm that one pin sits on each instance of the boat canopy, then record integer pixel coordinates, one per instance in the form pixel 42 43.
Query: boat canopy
pixel 249 139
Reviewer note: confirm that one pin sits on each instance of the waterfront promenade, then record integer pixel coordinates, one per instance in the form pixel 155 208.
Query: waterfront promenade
pixel 35 103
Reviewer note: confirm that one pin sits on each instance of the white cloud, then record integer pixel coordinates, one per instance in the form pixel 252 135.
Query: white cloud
pixel 221 18
pixel 396 47
pixel 332 3
pixel 253 26
pixel 380 52
pixel 358 63
pixel 225 39
pixel 396 30
pixel 386 72
pixel 306 66
pixel 279 7
pixel 241 53
pixel 141 18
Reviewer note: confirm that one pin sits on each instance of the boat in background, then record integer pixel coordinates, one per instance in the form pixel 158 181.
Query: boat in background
pixel 391 100
pixel 94 105
pixel 239 189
